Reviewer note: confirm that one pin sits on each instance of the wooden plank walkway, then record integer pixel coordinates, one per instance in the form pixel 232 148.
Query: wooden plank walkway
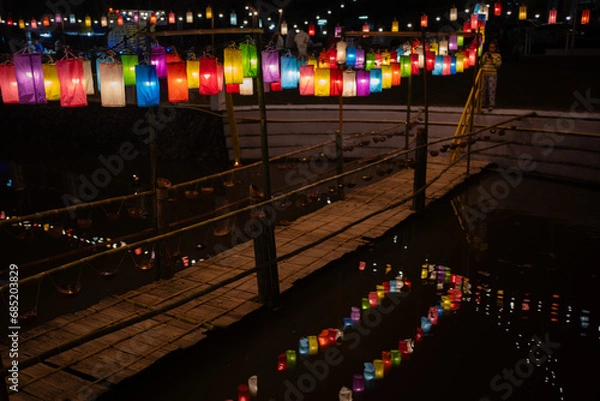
pixel 155 320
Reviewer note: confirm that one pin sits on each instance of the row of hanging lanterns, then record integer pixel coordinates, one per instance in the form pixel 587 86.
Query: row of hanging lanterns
pixel 343 70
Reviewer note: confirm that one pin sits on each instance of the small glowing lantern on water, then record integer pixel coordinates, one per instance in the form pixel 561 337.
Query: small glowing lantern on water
pixel 71 77
pixel 358 383
pixel 232 64
pixel 289 71
pixel 349 83
pixel 270 65
pixel 379 371
pixel 291 358
pixel 585 16
pixel 303 346
pixel 46 21
pixel 129 62
pixel 386 357
pixel 113 85
pixel 373 299
pixel 396 357
pixel 307 80
pixel 192 69
pixel 336 82
pixel 369 374
pixel 177 86
pixel 243 393
pixel 209 80
pixel 313 345
pixel 51 82
pixel 158 58
pixel 171 18
pixel 355 314
pixel 30 78
pixel 324 340
pixel 425 324
pixel 147 86
pixel 552 16
pixel 522 12
pixel 8 84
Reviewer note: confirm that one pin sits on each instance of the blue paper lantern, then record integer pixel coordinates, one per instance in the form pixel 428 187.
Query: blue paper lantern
pixel 425 324
pixel 438 69
pixel 376 80
pixel 290 74
pixel 350 56
pixel 303 346
pixel 147 87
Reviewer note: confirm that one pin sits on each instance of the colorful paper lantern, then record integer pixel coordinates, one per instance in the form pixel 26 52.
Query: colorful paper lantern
pixel 322 84
pixel 177 86
pixel 373 297
pixel 366 28
pixel 158 58
pixel 270 65
pixel 313 345
pixel 153 19
pixel 338 31
pixel 365 304
pixel 585 16
pixel 192 69
pixel 21 23
pixel 340 49
pixel 88 77
pixel 147 85
pixel 424 21
pixel 307 80
pixel 336 82
pixel 243 393
pixel 113 85
pixel 233 20
pixel 396 357
pixel 30 78
pixel 209 81
pixel 129 61
pixel 552 16
pixel 247 87
pixel 359 62
pixel 120 20
pixel 396 74
pixel 45 21
pixel 324 340
pixel 253 386
pixel 303 346
pixel 289 71
pixel 386 357
pixel 72 86
pixel 453 14
pixel 379 370
pixel 58 18
pixel 311 29
pixel 474 21
pixel 291 358
pixel 189 17
pixel 233 66
pixel 275 86
pixel 358 383
pixel 349 90
pixel 395 25
pixel 350 56
pixel 425 324
pixel 522 12
pixel 355 314
pixel 34 24
pixel 386 83
pixel 171 17
pixel 249 59
pixel 370 60
pixel 498 8
pixel 405 65
pixel 51 82
pixel 414 64
pixel 405 347
pixel 363 88
pixel 8 84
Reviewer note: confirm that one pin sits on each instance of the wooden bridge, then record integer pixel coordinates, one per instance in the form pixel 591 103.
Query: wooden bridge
pixel 80 355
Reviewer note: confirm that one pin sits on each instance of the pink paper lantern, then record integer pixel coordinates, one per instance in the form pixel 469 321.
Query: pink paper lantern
pixel 158 58
pixel 8 84
pixel 307 80
pixel 363 83
pixel 72 83
pixel 30 78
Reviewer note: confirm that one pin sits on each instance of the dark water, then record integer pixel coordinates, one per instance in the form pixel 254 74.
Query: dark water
pixel 530 258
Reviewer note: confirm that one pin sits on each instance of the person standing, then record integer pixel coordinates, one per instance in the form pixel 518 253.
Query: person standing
pixel 490 63
pixel 302 40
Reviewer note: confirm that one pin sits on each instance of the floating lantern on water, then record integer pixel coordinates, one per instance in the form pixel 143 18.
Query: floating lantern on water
pixel 425 324
pixel 313 345
pixel 71 77
pixel 345 394
pixel 396 357
pixel 147 87
pixel 358 383
pixel 8 84
pixel 177 86
pixel 282 362
pixel 355 314
pixel 30 78
pixel 113 85
pixel 253 386
pixel 379 371
pixel 243 393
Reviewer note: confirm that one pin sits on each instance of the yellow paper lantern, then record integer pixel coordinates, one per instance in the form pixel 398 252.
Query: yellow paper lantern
pixel 395 25
pixel 88 21
pixel 208 12
pixel 193 73
pixel 322 82
pixel 523 12
pixel 51 82
pixel 386 76
pixel 232 64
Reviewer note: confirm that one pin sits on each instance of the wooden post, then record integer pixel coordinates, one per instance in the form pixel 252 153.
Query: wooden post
pixel 420 177
pixel 339 152
pixel 164 270
pixel 407 126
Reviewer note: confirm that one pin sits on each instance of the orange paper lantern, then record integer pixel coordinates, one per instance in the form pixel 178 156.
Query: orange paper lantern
pixel 177 86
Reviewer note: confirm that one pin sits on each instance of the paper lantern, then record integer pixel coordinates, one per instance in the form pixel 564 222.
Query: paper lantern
pixel 88 77
pixel 313 345
pixel 446 61
pixel 129 61
pixel 30 78
pixel 103 21
pixel 366 28
pixel 171 18
pixel 58 18
pixel 522 12
pixel 497 8
pixel 363 88
pixel 233 18
pixel 453 14
pixel 349 90
pixel 303 346
pixel 467 26
pixel 87 21
pixel 395 25
pixel 120 20
pixel 355 314
pixel 270 65
pixel 380 289
pixel 34 25
pixel 405 66
pixel 453 43
pixel 275 86
pixel 192 69
pixel 424 20
pixel 323 60
pixel 396 357
pixel 425 324
pixel 474 20
pixel 340 48
pixel 8 84
pixel 414 64
pixel 21 23
pixel 208 12
pixel 51 82
pixel 243 393
pixel 147 85
pixel 72 19
pixel 249 59
pixel 220 79
pixel 336 82
pixel 189 17
pixel 232 64
pixel 358 383
pixel 585 16
pixel 307 80
pixel 209 81
pixel 113 85
pixel 406 348
pixel 365 303
pixel 359 62
pixel 350 56
pixel 284 28
pixel 153 18
pixel 386 79
pixel 368 374
pixel 324 340
pixel 289 71
pixel 247 87
pixel 345 394
pixel 158 58
pixel 395 74
pixel 291 358
pixel 45 21
pixel 72 87
pixel 369 61
pixel 177 86
pixel 311 29
pixel 386 357
pixel 373 297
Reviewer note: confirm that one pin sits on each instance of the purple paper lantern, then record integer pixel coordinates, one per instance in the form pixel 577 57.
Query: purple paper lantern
pixel 270 65
pixel 359 61
pixel 358 383
pixel 363 83
pixel 355 314
pixel 30 78
pixel 158 58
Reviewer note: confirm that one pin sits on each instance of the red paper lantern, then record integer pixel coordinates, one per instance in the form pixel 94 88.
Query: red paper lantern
pixel 120 20
pixel 467 26
pixel 177 86
pixel 324 340
pixel 8 84
pixel 585 16
pixel 414 63
pixel 336 80
pixel 497 8
pixel 307 80
pixel 424 21
pixel 209 84
pixel 153 18
pixel 396 74
pixel 171 17
pixel 276 86
pixel 311 29
pixel 552 16
pixel 232 88
pixel 243 392
pixel 72 88
pixel 46 21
